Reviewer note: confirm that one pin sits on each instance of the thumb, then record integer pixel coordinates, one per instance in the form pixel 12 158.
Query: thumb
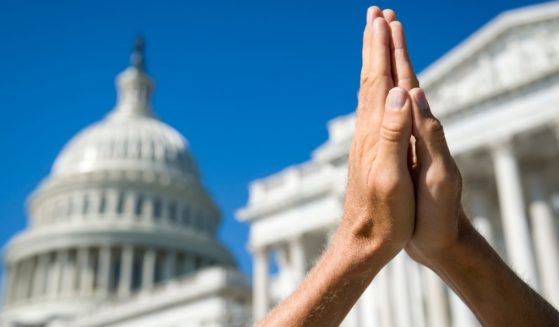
pixel 428 131
pixel 396 127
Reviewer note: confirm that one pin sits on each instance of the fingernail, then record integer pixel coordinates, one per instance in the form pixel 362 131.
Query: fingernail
pixel 370 15
pixel 377 24
pixel 422 101
pixel 396 99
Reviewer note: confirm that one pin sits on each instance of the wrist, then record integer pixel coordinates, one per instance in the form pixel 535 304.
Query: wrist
pixel 359 255
pixel 457 251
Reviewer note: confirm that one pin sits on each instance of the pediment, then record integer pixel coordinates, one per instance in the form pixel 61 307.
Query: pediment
pixel 515 49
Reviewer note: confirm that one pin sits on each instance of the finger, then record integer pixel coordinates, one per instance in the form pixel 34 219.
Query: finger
pixel 389 15
pixel 412 158
pixel 402 69
pixel 380 52
pixel 396 127
pixel 372 14
pixel 430 141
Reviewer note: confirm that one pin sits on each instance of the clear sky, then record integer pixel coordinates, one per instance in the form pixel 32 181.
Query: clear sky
pixel 250 84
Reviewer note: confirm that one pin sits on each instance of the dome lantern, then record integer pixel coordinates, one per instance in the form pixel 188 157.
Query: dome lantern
pixel 134 87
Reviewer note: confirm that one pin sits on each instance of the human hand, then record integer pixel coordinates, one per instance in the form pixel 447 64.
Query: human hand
pixel 379 208
pixel 440 222
pixel 439 217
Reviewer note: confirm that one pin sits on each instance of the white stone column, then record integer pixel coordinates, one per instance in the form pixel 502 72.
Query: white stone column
pixel 481 213
pixel 21 281
pixel 125 278
pixel 260 284
pixel 169 265
pixel 545 238
pixel 382 283
pixel 437 311
pixel 30 270
pixel 40 276
pixel 104 271
pixel 461 315
pixel 55 275
pixel 352 317
pixel 400 286
pixel 417 293
pixel 297 259
pixel 368 307
pixel 9 282
pixel 515 224
pixel 85 271
pixel 68 283
pixel 148 269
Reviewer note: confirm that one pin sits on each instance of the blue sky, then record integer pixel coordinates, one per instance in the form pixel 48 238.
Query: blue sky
pixel 250 84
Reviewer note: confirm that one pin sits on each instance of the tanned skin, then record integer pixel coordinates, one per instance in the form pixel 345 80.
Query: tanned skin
pixel 404 192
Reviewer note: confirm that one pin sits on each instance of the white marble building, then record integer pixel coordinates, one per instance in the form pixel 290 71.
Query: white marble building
pixel 497 95
pixel 122 231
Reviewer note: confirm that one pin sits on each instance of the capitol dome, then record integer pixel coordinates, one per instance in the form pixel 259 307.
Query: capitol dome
pixel 133 143
pixel 122 211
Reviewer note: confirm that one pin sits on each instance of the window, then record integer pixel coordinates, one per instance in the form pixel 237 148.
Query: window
pixel 172 211
pixel 70 208
pixel 186 216
pixel 157 208
pixel 85 206
pixel 102 203
pixel 139 205
pixel 120 203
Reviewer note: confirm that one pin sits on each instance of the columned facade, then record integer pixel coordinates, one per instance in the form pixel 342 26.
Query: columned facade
pixel 496 95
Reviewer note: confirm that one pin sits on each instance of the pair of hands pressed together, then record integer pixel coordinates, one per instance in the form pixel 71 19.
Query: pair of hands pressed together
pixel 404 192
pixel 400 194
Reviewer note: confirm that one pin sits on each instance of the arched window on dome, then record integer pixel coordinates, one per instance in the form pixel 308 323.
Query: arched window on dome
pixel 120 203
pixel 160 153
pixel 199 221
pixel 139 150
pixel 70 207
pixel 125 148
pixel 151 150
pixel 112 148
pixel 157 208
pixel 139 205
pixel 169 155
pixel 102 203
pixel 172 211
pixel 185 216
pixel 85 205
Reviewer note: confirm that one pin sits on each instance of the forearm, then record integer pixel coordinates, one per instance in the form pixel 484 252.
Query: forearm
pixel 329 291
pixel 489 287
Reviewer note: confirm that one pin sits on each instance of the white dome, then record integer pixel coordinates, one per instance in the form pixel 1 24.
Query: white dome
pixel 142 143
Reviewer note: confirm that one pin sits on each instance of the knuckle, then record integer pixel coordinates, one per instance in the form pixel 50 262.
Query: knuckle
pixel 447 178
pixel 434 126
pixel 392 131
pixel 387 186
pixel 368 80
